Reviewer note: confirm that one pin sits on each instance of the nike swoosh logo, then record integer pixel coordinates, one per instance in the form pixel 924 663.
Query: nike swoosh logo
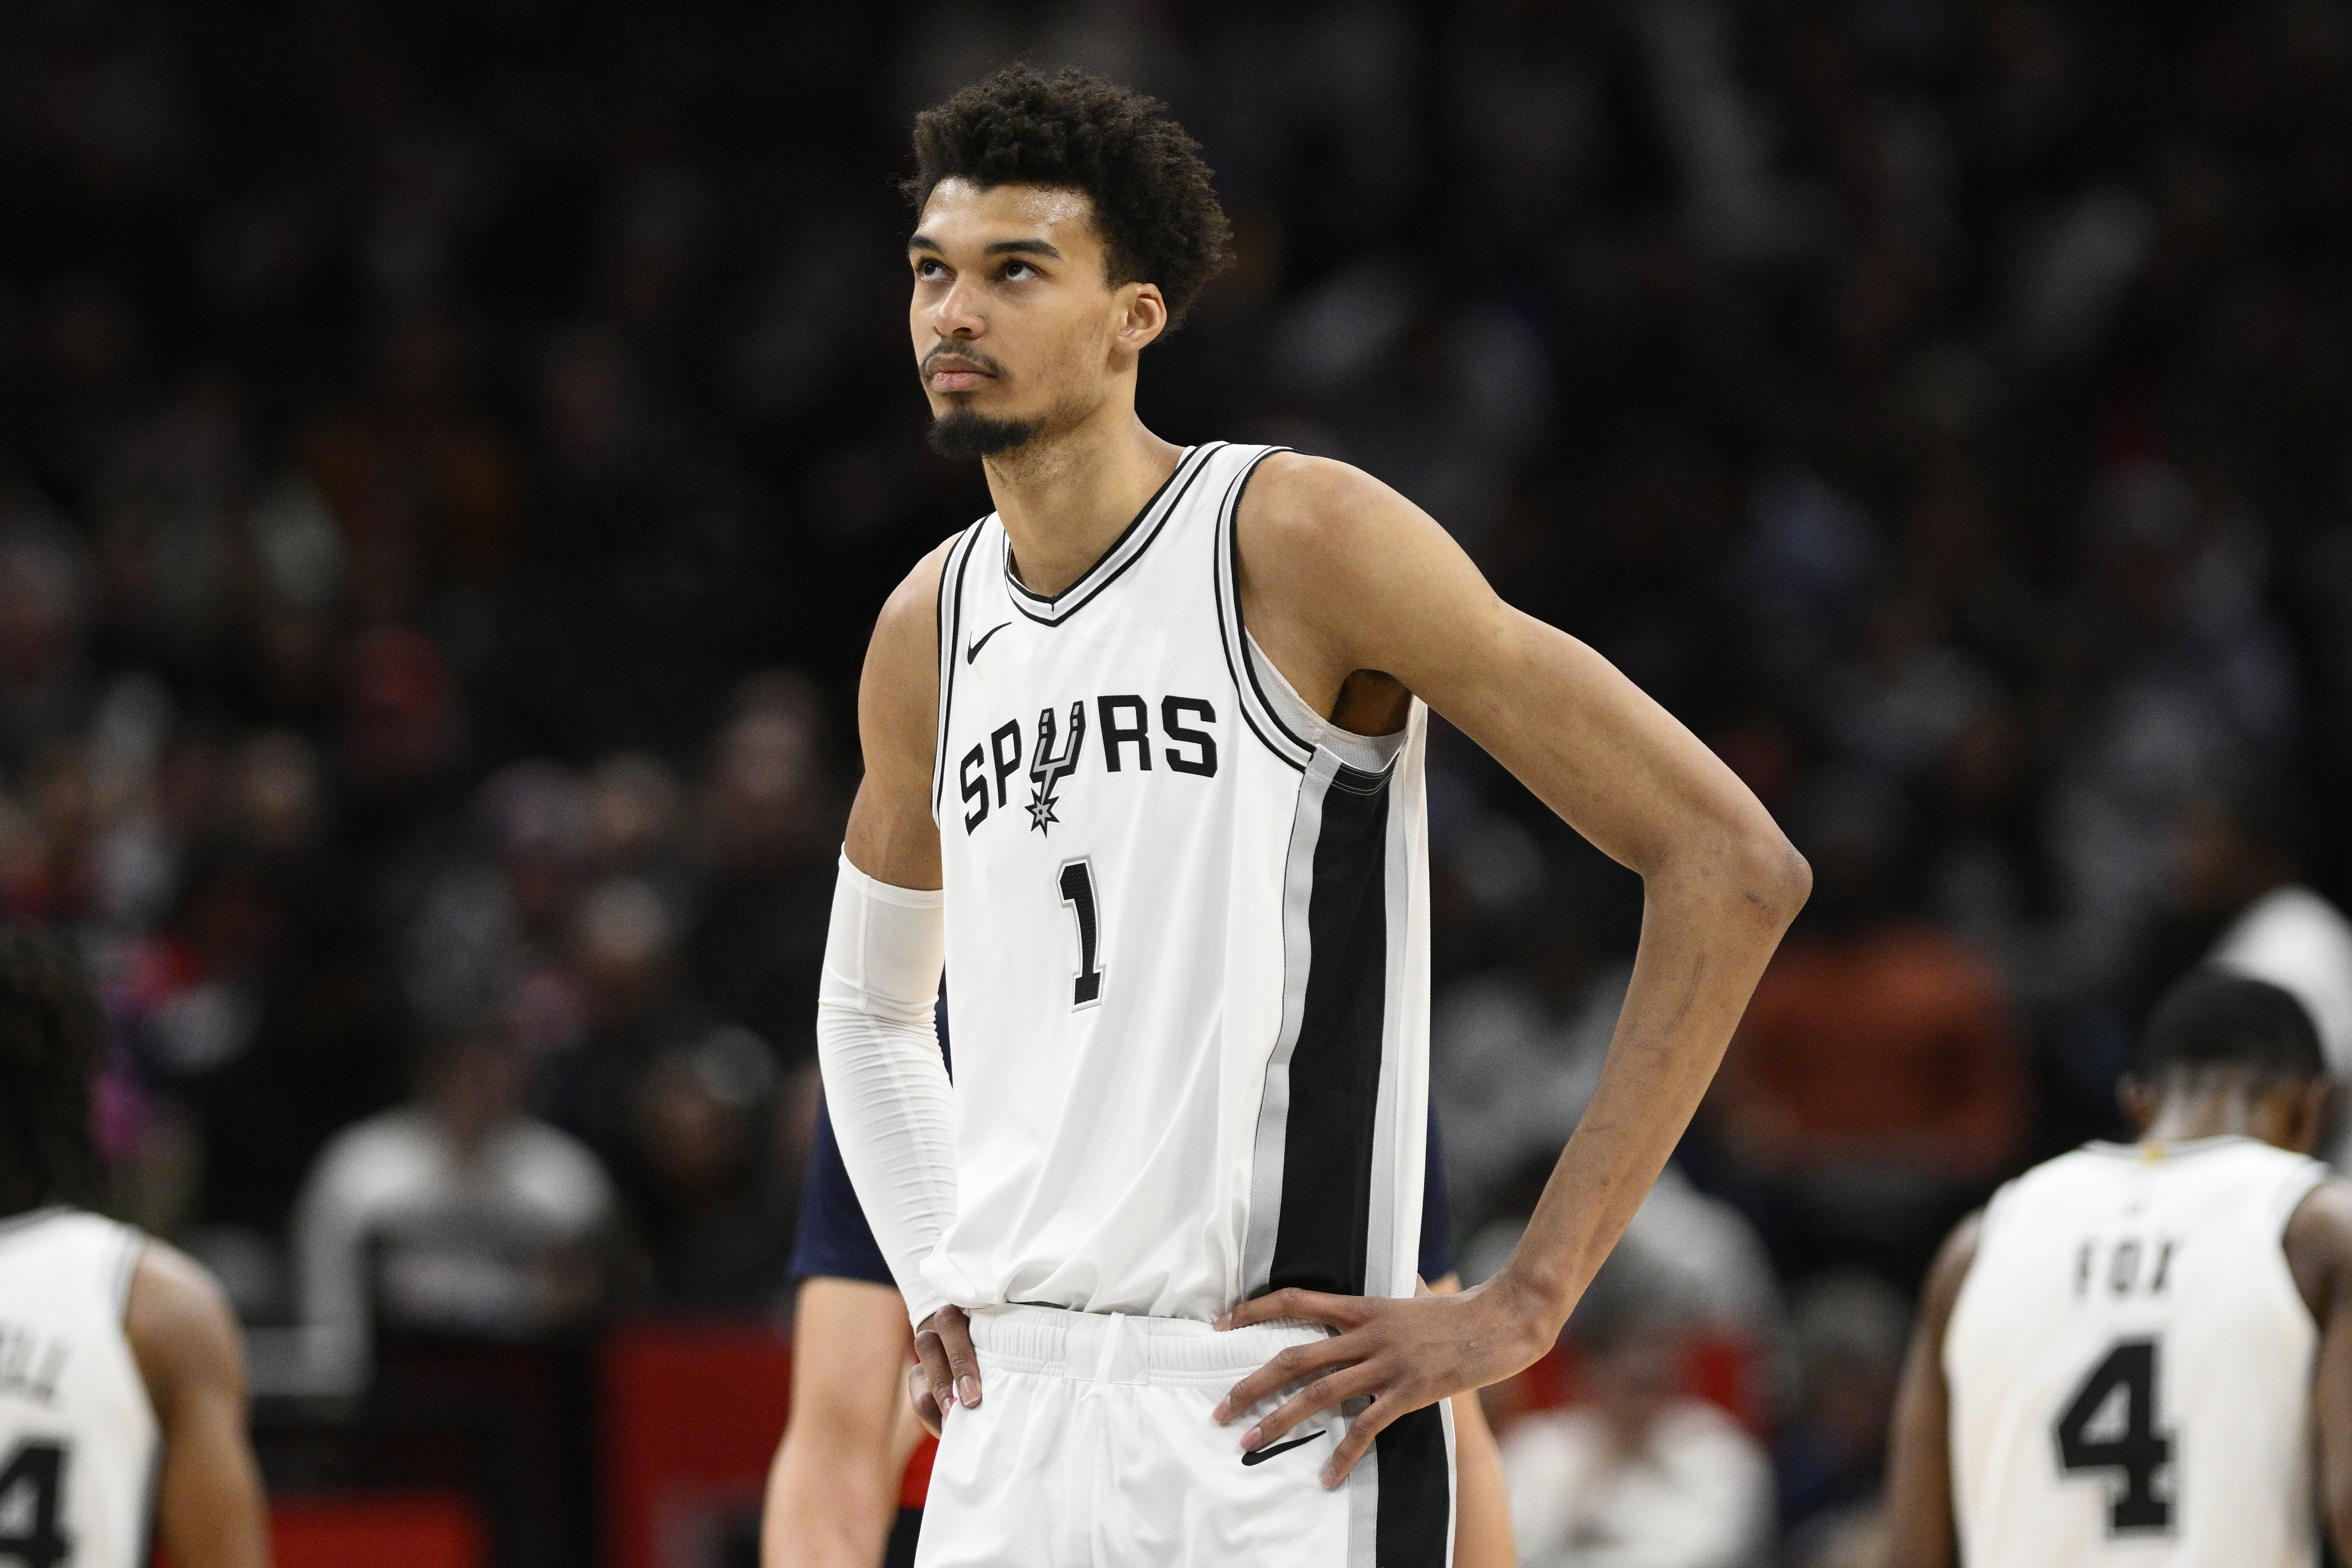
pixel 972 652
pixel 1260 1456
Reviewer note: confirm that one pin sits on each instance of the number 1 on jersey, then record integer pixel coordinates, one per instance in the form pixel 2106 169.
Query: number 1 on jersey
pixel 1078 887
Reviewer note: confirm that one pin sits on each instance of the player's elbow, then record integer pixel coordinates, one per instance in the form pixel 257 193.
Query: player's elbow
pixel 1771 880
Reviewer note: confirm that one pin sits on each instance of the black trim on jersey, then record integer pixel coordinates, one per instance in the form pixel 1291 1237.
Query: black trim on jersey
pixel 1114 562
pixel 1241 627
pixel 1414 1519
pixel 1329 1134
pixel 951 630
pixel 1226 563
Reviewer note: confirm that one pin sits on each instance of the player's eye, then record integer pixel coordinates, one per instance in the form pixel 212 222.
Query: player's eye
pixel 1016 271
pixel 929 268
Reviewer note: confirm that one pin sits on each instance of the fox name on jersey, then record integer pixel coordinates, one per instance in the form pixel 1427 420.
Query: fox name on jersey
pixel 1186 938
pixel 2130 1364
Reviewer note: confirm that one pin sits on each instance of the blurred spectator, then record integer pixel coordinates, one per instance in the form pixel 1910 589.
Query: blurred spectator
pixel 772 832
pixel 1643 1476
pixel 492 923
pixel 719 1158
pixel 1515 1052
pixel 1874 1085
pixel 2239 862
pixel 1850 1329
pixel 453 1215
pixel 1690 1259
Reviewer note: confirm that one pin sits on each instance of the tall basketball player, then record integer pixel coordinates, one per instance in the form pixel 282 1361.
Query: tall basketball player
pixel 2125 1359
pixel 1144 766
pixel 121 1377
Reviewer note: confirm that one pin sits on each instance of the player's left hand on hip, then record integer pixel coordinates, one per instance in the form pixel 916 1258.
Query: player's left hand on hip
pixel 1402 1354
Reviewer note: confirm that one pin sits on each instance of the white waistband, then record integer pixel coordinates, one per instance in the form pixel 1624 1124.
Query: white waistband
pixel 1112 1347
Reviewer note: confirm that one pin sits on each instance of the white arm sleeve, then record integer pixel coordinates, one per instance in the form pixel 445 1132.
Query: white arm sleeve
pixel 885 1085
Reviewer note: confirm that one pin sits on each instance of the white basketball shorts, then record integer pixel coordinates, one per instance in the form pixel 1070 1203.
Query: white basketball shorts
pixel 1092 1447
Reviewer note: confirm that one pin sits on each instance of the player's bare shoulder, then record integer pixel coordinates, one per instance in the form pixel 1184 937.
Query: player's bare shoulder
pixel 2318 1244
pixel 179 1325
pixel 907 629
pixel 900 691
pixel 1305 518
pixel 1950 1269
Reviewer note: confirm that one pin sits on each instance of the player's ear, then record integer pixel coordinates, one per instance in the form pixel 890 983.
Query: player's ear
pixel 1143 315
pixel 2317 1105
pixel 2137 1099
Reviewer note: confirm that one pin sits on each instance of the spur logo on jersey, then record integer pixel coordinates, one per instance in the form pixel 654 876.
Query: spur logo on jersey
pixel 1048 767
pixel 1123 729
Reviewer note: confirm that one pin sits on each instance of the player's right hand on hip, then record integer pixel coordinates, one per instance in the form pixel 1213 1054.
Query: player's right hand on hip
pixel 946 1371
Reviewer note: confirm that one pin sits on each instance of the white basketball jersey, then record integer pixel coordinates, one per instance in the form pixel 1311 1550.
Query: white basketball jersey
pixel 2130 1365
pixel 1187 938
pixel 78 1436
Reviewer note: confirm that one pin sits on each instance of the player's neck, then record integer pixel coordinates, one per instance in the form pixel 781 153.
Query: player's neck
pixel 2214 1113
pixel 1064 499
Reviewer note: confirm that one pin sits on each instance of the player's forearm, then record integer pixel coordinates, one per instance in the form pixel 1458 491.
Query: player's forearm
pixel 885 1085
pixel 1710 926
pixel 209 1507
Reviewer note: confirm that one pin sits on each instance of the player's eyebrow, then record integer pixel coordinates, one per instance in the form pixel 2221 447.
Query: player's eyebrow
pixel 1002 247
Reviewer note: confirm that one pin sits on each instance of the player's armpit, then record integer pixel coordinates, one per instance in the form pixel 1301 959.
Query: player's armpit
pixel 892 837
pixel 1920 1529
pixel 833 1490
pixel 209 1502
pixel 2319 1253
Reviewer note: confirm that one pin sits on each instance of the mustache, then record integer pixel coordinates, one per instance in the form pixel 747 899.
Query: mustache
pixel 943 351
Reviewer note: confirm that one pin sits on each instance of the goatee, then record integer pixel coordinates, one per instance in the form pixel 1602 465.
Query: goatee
pixel 960 433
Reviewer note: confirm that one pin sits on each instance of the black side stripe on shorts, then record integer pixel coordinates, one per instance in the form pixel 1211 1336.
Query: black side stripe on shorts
pixel 1335 1067
pixel 1416 1503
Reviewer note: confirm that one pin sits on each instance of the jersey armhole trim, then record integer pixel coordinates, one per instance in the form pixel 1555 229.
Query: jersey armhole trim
pixel 134 1248
pixel 950 620
pixel 1226 556
pixel 2296 1188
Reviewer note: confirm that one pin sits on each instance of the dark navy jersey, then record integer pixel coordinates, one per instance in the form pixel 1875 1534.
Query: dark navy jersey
pixel 835 1241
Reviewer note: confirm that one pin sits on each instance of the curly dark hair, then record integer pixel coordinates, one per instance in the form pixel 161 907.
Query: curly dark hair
pixel 52 1042
pixel 1154 202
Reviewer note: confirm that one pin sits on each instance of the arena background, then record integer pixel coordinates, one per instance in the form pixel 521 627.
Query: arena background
pixel 451 457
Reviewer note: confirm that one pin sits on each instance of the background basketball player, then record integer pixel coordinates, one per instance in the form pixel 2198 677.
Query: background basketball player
pixel 1156 727
pixel 2125 1357
pixel 122 1401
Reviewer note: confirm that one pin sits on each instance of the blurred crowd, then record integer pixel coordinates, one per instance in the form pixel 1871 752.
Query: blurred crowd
pixel 450 457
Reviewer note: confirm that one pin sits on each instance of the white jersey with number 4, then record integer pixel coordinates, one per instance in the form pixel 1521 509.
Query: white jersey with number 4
pixel 78 1435
pixel 1187 938
pixel 2130 1365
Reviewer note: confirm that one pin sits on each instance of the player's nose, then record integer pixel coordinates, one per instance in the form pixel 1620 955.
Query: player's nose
pixel 957 315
